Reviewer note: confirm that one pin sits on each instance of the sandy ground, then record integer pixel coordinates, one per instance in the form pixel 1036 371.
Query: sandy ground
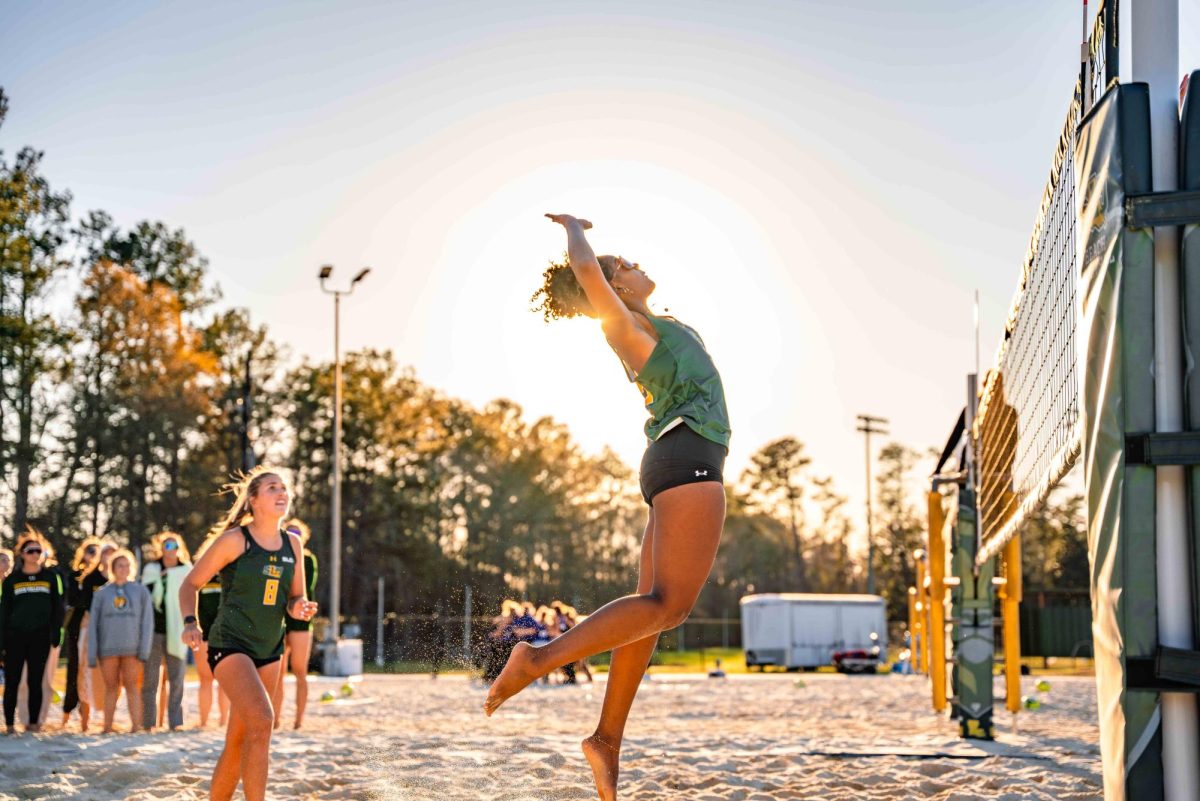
pixel 748 738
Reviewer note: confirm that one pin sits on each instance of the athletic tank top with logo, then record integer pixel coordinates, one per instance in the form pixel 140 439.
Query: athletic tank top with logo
pixel 254 595
pixel 680 383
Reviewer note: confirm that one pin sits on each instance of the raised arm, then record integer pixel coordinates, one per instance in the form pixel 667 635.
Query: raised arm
pixel 627 338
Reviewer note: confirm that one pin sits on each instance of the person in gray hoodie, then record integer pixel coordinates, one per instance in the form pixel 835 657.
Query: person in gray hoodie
pixel 121 630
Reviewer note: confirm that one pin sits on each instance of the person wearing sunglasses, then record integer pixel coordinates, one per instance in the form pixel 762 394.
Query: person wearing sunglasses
pixel 31 624
pixel 163 577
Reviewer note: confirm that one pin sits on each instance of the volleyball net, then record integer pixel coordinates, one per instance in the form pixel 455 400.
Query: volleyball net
pixel 1027 427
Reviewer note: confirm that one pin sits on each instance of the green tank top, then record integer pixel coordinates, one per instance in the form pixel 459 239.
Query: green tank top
pixel 680 382
pixel 254 595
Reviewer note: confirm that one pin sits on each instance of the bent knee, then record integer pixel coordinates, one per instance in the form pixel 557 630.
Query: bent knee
pixel 258 721
pixel 673 610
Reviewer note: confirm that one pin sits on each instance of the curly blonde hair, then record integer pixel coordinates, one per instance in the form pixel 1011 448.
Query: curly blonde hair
pixel 560 296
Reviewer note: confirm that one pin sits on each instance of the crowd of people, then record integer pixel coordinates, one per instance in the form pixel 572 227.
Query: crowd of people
pixel 119 627
pixel 521 621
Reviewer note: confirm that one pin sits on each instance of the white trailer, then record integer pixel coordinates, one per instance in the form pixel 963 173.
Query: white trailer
pixel 802 630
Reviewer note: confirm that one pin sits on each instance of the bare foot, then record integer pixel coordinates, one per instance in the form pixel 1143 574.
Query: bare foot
pixel 519 672
pixel 605 762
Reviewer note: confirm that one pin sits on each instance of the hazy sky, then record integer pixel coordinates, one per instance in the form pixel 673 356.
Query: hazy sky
pixel 818 187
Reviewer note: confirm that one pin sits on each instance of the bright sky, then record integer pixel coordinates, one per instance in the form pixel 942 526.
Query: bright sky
pixel 818 187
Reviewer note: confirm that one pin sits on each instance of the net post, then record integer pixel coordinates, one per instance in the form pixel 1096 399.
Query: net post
pixel 1011 596
pixel 974 638
pixel 1154 36
pixel 937 599
pixel 922 608
pixel 912 629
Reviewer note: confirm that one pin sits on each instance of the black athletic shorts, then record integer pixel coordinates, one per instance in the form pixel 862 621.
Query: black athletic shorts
pixel 215 655
pixel 678 457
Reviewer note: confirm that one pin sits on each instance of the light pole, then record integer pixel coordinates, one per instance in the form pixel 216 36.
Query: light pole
pixel 869 425
pixel 335 512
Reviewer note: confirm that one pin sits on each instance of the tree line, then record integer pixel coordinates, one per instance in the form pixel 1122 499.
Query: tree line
pixel 127 393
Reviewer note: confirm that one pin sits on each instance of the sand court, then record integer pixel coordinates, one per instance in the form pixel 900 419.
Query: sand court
pixel 747 738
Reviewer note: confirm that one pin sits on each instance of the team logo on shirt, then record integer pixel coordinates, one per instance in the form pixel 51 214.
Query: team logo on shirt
pixel 120 601
pixel 649 396
pixel 273 571
pixel 23 587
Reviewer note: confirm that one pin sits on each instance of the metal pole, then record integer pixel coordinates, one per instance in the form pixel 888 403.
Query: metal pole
pixel 1155 61
pixel 977 322
pixel 335 506
pixel 867 425
pixel 870 526
pixel 379 626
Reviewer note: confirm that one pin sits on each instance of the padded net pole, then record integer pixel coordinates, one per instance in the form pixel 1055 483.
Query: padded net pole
pixel 1155 61
pixel 937 599
pixel 1011 595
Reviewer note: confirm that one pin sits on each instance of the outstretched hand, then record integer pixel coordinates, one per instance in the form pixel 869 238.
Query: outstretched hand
pixel 567 219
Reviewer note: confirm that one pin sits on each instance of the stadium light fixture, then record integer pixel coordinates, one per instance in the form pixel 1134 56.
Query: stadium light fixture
pixel 335 512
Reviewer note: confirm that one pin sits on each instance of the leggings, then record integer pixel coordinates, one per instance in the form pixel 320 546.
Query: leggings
pixel 71 646
pixel 26 650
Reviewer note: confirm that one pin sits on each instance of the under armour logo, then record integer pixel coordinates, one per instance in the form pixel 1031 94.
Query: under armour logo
pixel 701 472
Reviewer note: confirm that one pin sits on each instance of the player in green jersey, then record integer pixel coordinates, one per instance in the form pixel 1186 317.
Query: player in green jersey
pixel 262 576
pixel 297 644
pixel 681 480
pixel 207 606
